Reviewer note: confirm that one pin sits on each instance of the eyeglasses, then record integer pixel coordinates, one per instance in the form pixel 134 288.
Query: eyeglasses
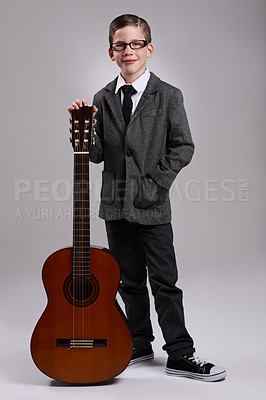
pixel 121 46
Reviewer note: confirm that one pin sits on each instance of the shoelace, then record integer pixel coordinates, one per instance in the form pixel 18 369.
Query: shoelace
pixel 197 360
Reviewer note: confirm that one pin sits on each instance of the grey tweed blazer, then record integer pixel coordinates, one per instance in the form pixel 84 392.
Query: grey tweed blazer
pixel 156 144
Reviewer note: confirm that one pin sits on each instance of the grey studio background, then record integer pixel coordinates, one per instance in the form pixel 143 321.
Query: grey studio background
pixel 55 50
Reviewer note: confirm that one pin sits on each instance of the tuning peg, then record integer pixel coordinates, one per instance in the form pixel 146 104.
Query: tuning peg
pixel 70 120
pixel 70 130
pixel 94 121
pixel 70 139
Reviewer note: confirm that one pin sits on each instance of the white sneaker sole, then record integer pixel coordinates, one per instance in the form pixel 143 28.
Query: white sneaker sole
pixel 142 359
pixel 200 377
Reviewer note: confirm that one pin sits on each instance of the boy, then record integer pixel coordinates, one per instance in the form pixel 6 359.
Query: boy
pixel 143 137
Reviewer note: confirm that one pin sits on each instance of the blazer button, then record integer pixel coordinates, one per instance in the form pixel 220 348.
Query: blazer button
pixel 128 153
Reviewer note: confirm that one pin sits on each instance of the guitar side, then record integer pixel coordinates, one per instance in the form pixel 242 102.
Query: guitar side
pixel 82 335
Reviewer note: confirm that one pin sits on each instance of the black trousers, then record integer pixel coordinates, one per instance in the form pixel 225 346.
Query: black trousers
pixel 143 250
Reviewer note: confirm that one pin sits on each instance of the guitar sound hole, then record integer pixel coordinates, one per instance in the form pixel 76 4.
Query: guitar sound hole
pixel 81 291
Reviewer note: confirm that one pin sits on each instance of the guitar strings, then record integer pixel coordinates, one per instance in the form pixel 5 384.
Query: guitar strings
pixel 74 244
pixel 88 275
pixel 81 240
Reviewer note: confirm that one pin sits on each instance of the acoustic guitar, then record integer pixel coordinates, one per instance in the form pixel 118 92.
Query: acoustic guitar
pixel 82 335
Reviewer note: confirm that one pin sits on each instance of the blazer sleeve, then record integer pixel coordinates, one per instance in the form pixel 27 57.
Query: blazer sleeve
pixel 96 151
pixel 179 147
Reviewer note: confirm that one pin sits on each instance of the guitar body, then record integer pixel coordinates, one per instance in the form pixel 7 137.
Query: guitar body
pixel 82 336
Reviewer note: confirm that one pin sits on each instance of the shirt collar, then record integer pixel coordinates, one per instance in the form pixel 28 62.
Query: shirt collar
pixel 139 84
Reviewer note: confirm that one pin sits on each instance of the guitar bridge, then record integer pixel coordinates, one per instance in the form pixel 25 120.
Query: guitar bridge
pixel 81 343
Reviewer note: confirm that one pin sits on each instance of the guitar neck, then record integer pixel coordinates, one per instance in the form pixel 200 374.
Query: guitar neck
pixel 81 216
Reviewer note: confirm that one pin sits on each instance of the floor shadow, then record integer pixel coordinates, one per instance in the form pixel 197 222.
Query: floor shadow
pixel 55 383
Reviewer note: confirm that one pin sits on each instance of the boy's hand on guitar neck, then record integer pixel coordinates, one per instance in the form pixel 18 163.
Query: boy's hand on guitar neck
pixel 76 104
pixel 79 103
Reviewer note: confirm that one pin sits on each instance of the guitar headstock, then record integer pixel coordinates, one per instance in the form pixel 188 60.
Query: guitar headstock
pixel 81 129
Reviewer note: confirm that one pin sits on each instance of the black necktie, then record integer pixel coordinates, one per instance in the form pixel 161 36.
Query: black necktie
pixel 128 91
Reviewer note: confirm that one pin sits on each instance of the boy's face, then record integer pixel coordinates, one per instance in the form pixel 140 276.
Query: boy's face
pixel 131 62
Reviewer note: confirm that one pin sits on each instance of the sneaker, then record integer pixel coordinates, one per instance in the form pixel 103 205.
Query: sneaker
pixel 141 354
pixel 191 366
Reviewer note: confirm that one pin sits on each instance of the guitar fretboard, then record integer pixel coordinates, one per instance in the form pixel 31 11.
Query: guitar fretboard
pixel 81 216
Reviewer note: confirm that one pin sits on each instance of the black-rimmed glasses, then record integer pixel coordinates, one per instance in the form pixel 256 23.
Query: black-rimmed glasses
pixel 137 44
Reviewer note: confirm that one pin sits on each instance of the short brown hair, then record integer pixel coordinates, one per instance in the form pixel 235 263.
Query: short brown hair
pixel 129 19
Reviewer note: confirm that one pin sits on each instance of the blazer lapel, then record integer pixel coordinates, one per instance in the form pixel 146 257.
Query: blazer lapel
pixel 151 88
pixel 114 102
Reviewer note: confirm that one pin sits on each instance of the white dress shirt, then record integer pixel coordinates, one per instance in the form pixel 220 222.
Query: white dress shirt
pixel 139 85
